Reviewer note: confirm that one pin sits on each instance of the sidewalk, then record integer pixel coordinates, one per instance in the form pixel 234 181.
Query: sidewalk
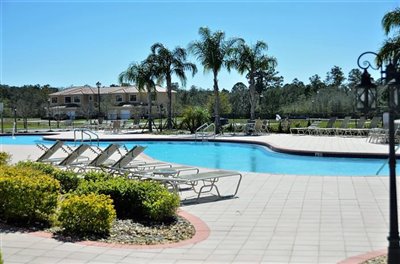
pixel 274 219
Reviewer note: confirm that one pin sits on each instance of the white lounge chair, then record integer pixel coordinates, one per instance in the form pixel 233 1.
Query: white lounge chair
pixel 46 157
pixel 74 156
pixel 200 183
pixel 128 162
pixel 102 159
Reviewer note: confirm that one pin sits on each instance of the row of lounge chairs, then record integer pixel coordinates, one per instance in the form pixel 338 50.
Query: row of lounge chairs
pixel 126 164
pixel 251 127
pixel 343 129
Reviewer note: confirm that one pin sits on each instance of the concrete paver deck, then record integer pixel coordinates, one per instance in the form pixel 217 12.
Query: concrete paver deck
pixel 274 219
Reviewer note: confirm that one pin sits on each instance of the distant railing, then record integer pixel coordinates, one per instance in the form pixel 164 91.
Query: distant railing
pixel 204 131
pixel 87 132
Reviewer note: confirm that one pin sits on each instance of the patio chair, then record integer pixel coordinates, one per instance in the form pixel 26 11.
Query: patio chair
pixel 343 126
pixel 127 162
pixel 173 171
pixel 357 129
pixel 50 151
pixel 200 183
pixel 328 129
pixel 102 158
pixel 250 127
pixel 305 130
pixel 75 155
pixel 365 131
pixel 264 126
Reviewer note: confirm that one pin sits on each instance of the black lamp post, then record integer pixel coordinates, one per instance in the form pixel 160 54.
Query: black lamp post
pixel 367 100
pixel 98 84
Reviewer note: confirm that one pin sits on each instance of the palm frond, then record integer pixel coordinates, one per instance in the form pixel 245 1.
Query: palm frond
pixel 391 20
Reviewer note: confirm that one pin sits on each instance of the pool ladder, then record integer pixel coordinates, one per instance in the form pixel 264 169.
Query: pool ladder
pixel 86 132
pixel 203 132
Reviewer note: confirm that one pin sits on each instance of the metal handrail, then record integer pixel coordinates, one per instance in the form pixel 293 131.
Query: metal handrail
pixel 203 129
pixel 87 132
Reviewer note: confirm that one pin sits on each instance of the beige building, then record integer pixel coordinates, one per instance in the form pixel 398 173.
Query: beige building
pixel 115 102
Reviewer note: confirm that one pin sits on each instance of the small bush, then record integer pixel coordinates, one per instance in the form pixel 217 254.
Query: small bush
pixel 43 167
pixel 139 200
pixel 121 192
pixel 27 195
pixel 84 215
pixel 96 176
pixel 158 204
pixel 4 158
pixel 69 180
pixel 1 259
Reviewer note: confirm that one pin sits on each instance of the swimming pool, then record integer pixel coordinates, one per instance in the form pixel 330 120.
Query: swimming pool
pixel 242 157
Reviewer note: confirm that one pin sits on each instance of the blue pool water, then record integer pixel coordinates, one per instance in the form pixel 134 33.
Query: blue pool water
pixel 242 157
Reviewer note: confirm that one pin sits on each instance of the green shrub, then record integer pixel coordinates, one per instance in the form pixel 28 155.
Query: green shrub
pixel 69 180
pixel 4 158
pixel 157 202
pixel 43 167
pixel 121 192
pixel 97 176
pixel 27 195
pixel 193 117
pixel 140 200
pixel 84 215
pixel 1 259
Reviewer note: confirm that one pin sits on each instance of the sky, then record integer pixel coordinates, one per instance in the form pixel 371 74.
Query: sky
pixel 78 42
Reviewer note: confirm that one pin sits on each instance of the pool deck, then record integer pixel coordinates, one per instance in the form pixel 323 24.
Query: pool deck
pixel 273 219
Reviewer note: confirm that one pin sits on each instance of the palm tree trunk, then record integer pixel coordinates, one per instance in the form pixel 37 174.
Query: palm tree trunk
pixel 252 98
pixel 149 118
pixel 216 105
pixel 169 103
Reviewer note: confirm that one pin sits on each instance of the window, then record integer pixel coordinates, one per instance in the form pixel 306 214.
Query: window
pixel 77 99
pixel 54 100
pixel 118 98
pixel 132 98
pixel 90 98
pixel 67 99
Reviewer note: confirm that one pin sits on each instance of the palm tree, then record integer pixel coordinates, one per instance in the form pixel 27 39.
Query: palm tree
pixel 390 50
pixel 251 60
pixel 168 63
pixel 142 75
pixel 211 50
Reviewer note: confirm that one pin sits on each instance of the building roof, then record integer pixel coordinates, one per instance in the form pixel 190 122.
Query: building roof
pixel 103 90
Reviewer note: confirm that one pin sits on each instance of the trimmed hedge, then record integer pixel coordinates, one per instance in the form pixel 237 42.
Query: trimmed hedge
pixel 139 200
pixel 27 195
pixel 69 180
pixel 90 214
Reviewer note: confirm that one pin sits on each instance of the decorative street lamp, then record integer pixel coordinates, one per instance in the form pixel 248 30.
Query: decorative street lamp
pixel 366 100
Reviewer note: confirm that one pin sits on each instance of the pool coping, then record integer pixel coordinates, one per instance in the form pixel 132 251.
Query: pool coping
pixel 319 153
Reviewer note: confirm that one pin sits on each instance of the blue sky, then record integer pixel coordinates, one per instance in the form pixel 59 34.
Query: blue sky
pixel 64 43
